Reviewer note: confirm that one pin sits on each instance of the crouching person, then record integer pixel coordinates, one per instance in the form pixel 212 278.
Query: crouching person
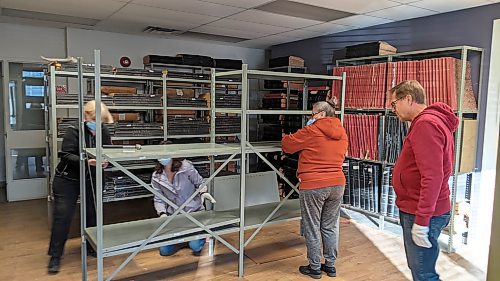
pixel 177 179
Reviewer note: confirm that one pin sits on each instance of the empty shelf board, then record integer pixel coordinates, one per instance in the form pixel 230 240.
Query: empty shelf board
pixel 170 150
pixel 125 237
pixel 262 147
pixel 255 215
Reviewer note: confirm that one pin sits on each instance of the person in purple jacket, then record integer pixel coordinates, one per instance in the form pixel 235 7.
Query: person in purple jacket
pixel 177 180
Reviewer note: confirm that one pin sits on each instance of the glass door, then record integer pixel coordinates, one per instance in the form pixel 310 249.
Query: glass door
pixel 25 145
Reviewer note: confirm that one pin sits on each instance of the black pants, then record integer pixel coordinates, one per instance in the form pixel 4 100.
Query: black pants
pixel 66 194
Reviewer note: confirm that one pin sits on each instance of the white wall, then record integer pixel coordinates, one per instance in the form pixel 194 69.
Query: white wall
pixel 484 188
pixel 115 45
pixel 23 43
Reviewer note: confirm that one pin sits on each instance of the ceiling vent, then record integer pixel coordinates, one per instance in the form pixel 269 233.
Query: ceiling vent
pixel 213 37
pixel 161 30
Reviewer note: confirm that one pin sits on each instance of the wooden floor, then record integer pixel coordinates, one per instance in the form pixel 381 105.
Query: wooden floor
pixel 275 254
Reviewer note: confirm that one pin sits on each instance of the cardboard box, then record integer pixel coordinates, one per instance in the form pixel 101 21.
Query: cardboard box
pixel 109 90
pixel 126 116
pixel 286 61
pixel 339 54
pixel 177 90
pixel 206 96
pixel 370 49
pixel 469 146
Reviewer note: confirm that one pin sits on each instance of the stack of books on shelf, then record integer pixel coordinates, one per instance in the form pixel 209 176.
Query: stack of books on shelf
pixel 368 86
pixel 395 134
pixel 113 100
pixel 388 196
pixel 363 132
pixel 363 188
pixel 365 85
pixel 178 125
pixel 118 185
pixel 227 124
pixel 137 129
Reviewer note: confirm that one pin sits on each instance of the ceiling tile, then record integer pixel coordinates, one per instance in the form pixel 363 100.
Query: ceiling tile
pixel 361 21
pixel 329 28
pixel 229 32
pixel 301 34
pixel 145 22
pixel 443 6
pixel 249 26
pixel 240 3
pixel 157 16
pixel 352 6
pixel 191 6
pixel 263 17
pixel 95 9
pixel 126 26
pixel 402 12
pixel 406 1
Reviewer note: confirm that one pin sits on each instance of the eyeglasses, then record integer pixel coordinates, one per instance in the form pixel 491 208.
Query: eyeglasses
pixel 393 104
pixel 313 114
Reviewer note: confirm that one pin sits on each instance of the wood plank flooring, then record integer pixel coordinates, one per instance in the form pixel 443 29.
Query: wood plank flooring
pixel 274 254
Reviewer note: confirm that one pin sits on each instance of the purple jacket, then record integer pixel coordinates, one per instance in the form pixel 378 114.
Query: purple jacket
pixel 185 182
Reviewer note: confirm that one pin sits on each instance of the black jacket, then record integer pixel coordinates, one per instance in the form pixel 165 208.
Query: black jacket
pixel 69 165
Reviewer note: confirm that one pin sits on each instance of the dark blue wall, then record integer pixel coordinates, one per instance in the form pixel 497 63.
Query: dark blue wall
pixel 466 27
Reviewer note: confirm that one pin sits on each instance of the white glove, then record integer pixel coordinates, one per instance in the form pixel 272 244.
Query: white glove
pixel 420 235
pixel 163 216
pixel 207 196
pixel 204 189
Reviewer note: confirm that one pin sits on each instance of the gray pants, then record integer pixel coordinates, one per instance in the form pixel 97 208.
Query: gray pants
pixel 320 209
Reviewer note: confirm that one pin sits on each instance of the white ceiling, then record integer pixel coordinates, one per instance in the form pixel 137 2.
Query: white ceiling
pixel 233 18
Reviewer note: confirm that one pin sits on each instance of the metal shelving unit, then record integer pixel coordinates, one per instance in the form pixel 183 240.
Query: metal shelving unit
pixel 54 108
pixel 461 52
pixel 148 78
pixel 132 237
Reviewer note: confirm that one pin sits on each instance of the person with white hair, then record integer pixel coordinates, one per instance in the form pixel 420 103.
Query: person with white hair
pixel 322 145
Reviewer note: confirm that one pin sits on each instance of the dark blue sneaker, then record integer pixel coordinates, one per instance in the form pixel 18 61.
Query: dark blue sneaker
pixel 330 271
pixel 307 270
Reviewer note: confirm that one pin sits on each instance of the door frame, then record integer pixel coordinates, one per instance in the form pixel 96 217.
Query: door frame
pixel 25 137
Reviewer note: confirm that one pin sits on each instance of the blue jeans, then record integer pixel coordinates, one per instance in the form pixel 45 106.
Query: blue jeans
pixel 422 261
pixel 195 245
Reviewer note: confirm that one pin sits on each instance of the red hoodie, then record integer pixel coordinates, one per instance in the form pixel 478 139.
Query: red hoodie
pixel 421 173
pixel 322 147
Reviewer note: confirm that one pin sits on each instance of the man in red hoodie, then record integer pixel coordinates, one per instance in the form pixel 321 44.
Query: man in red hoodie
pixel 322 145
pixel 421 174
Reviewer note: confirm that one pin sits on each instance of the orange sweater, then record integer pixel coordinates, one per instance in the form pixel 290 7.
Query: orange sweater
pixel 322 146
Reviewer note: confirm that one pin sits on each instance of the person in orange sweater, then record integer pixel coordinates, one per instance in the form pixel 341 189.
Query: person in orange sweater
pixel 322 145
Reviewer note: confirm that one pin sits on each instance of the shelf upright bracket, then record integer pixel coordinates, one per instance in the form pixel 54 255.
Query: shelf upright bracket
pixel 98 156
pixel 53 121
pixel 212 126
pixel 243 141
pixel 458 148
pixel 81 147
pixel 342 97
pixel 212 105
pixel 164 74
